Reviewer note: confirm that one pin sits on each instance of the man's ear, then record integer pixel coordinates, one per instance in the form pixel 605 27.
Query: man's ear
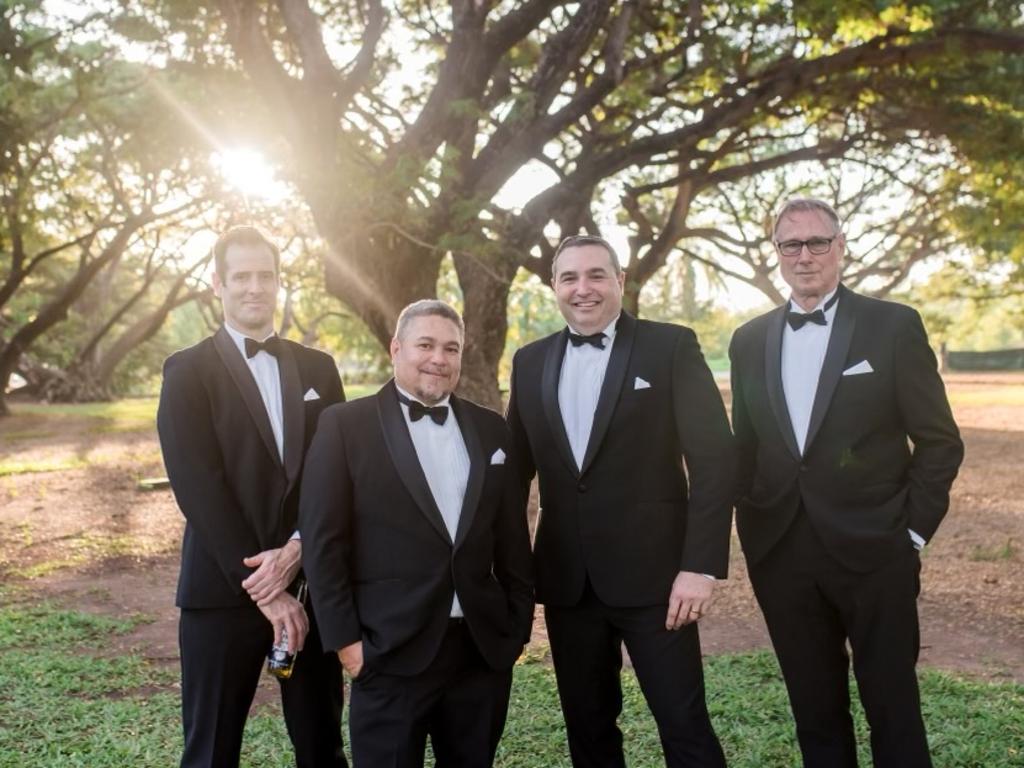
pixel 218 286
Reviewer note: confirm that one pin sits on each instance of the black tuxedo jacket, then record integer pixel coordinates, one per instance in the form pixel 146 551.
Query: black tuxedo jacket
pixel 629 519
pixel 237 496
pixel 381 565
pixel 859 480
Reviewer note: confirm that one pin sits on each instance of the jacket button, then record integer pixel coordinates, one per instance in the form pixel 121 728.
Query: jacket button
pixel 803 467
pixel 581 487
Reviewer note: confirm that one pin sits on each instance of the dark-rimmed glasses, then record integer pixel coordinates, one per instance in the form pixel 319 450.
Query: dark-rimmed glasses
pixel 816 245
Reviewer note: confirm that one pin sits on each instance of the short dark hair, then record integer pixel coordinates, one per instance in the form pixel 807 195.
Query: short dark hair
pixel 794 204
pixel 243 234
pixel 427 308
pixel 574 241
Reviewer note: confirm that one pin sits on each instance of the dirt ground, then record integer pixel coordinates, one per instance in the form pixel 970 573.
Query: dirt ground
pixel 88 537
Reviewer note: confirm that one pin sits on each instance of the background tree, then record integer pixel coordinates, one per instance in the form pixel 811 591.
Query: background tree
pixel 82 177
pixel 415 132
pixel 401 122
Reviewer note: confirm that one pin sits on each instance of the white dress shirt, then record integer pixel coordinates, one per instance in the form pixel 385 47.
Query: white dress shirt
pixel 579 387
pixel 268 380
pixel 803 354
pixel 442 454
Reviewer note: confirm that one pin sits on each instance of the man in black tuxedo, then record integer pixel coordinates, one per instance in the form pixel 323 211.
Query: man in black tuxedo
pixel 623 423
pixel 237 413
pixel 829 390
pixel 418 555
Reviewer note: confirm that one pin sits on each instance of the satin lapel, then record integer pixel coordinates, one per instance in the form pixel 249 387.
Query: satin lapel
pixel 549 395
pixel 293 409
pixel 611 387
pixel 773 379
pixel 835 358
pixel 475 483
pixel 403 456
pixel 246 384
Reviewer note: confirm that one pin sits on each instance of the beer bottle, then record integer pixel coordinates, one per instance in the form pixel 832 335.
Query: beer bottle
pixel 281 659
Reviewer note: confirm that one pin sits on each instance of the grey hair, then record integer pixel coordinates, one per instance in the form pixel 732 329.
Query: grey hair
pixel 575 241
pixel 795 204
pixel 428 308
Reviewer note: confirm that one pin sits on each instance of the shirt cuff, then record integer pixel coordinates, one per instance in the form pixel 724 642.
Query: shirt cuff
pixel 709 576
pixel 295 536
pixel 916 538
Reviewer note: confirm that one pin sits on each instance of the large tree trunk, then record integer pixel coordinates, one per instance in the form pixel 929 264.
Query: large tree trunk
pixel 631 296
pixel 485 285
pixel 377 273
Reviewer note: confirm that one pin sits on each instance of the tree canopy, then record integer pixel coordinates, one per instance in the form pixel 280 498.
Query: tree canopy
pixel 487 130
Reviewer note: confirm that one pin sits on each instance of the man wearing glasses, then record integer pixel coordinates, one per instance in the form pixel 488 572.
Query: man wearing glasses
pixel 847 451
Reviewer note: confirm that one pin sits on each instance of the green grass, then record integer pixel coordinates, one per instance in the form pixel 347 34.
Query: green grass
pixel 1005 551
pixel 90 547
pixel 65 704
pixel 43 465
pixel 353 391
pixel 718 364
pixel 118 416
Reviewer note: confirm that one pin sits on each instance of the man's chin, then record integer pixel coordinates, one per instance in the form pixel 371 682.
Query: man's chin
pixel 431 396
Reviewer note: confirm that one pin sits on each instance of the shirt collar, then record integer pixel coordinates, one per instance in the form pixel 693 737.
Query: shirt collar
pixel 794 307
pixel 239 338
pixel 443 401
pixel 609 330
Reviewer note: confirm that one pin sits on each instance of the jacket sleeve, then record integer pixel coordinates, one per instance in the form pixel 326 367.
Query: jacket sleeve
pixel 195 467
pixel 513 564
pixel 746 438
pixel 707 444
pixel 325 523
pixel 928 421
pixel 526 466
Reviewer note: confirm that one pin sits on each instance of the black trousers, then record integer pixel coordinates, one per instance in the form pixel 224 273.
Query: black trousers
pixel 459 702
pixel 586 645
pixel 223 653
pixel 812 606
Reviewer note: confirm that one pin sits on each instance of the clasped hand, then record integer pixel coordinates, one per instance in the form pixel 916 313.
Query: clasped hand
pixel 275 570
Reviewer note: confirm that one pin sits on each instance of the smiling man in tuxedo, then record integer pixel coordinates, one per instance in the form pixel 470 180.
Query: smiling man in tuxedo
pixel 829 392
pixel 623 424
pixel 418 555
pixel 237 413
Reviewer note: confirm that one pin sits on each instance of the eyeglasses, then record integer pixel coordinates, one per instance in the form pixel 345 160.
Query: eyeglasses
pixel 816 245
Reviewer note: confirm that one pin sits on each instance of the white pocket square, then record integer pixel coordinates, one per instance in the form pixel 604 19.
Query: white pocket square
pixel 498 457
pixel 862 367
pixel 639 383
pixel 311 394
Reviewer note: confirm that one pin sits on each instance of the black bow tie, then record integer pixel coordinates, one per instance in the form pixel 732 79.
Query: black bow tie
pixel 417 410
pixel 271 346
pixel 595 339
pixel 798 320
